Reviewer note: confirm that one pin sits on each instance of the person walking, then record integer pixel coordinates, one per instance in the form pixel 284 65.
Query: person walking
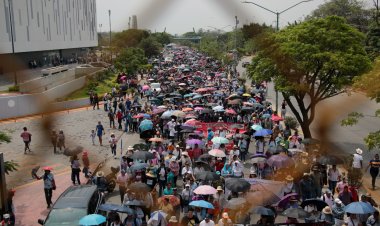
pixel 86 163
pixel 95 102
pixel 27 138
pixel 374 165
pixel 75 169
pixel 61 140
pixel 119 117
pixel 122 181
pixel 49 184
pixel 100 132
pixel 333 178
pixel 111 117
pixel 54 140
pixel 113 144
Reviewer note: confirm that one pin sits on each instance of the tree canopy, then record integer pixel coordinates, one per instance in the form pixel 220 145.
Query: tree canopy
pixel 312 60
pixel 129 38
pixel 131 60
pixel 150 46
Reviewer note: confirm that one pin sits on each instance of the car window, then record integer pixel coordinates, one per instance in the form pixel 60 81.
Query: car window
pixel 67 216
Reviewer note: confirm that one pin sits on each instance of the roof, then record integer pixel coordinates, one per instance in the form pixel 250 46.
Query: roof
pixel 75 197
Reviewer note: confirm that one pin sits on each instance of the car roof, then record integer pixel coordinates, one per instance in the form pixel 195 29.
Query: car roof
pixel 75 197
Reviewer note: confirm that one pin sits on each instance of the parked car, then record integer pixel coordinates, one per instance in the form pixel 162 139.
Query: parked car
pixel 73 204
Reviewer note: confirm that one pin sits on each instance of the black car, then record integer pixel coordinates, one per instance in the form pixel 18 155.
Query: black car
pixel 73 204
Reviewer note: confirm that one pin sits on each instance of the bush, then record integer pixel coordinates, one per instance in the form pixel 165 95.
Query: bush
pixel 291 122
pixel 14 88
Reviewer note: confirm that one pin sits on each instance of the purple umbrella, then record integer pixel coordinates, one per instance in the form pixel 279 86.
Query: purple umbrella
pixel 158 111
pixel 285 200
pixel 280 161
pixel 193 142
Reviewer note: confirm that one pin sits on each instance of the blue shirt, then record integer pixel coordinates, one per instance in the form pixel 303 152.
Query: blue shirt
pixel 99 130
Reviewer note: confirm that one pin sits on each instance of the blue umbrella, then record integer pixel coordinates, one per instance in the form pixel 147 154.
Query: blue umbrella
pixel 167 114
pixel 201 204
pixel 146 115
pixel 266 116
pixel 256 127
pixel 117 208
pixel 198 96
pixel 359 208
pixel 138 166
pixel 188 95
pixel 146 125
pixel 158 215
pixel 262 133
pixel 92 219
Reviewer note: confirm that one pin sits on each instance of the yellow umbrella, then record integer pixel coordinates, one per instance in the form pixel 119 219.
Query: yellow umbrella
pixel 246 95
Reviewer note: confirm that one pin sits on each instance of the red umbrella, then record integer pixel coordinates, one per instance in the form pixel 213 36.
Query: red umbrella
pixel 276 118
pixel 138 116
pixel 201 90
pixel 192 122
pixel 230 111
pixel 48 168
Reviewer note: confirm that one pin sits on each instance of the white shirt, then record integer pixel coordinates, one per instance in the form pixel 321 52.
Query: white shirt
pixel 333 175
pixel 356 161
pixel 210 223
pixel 186 170
pixel 329 201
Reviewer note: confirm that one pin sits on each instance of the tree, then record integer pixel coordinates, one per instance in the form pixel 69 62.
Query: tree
pixel 130 60
pixel 9 166
pixel 129 38
pixel 310 62
pixel 150 46
pixel 352 10
pixel 252 30
pixel 163 38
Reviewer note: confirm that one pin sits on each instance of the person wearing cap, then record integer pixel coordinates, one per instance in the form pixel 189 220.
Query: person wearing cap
pixel 122 181
pixel 289 186
pixel 186 195
pixel 225 220
pixel 173 221
pixel 6 220
pixel 113 144
pixel 49 185
pixel 174 168
pixel 328 198
pixel 237 169
pixel 185 159
pixel 374 165
pixel 186 170
pixel 171 127
pixel 327 216
pixel 220 197
pixel 357 164
pixel 338 212
pixel 207 222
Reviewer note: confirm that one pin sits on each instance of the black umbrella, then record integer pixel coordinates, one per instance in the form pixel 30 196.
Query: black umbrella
pixel 330 160
pixel 203 164
pixel 114 207
pixel 237 185
pixel 205 157
pixel 72 152
pixel 247 109
pixel 320 204
pixel 262 211
pixel 139 187
pixel 207 176
pixel 142 155
pixel 237 126
pixel 206 111
pixel 141 146
pixel 297 213
pixel 138 166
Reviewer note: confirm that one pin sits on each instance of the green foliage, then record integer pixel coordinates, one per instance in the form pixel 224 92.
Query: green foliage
pixel 373 140
pixel 352 10
pixel 4 137
pixel 373 41
pixel 352 119
pixel 317 58
pixel 129 38
pixel 150 46
pixel 14 88
pixel 131 60
pixel 253 30
pixel 163 38
pixel 291 122
pixel 369 82
pixel 10 166
pixel 377 113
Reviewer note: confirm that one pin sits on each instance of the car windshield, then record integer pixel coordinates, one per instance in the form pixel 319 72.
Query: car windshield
pixel 67 216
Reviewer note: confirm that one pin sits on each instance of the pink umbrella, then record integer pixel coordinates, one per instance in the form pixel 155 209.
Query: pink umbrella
pixel 205 190
pixel 230 111
pixel 194 141
pixel 276 118
pixel 145 87
pixel 247 104
pixel 211 89
pixel 158 111
pixel 217 153
pixel 198 108
pixel 190 116
pixel 192 122
pixel 280 161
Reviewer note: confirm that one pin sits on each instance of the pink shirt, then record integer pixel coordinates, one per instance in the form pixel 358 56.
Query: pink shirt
pixel 26 136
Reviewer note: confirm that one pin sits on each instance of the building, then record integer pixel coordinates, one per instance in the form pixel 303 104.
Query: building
pixel 47 31
pixel 134 22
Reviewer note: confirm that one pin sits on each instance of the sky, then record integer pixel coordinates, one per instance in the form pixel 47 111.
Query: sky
pixel 180 16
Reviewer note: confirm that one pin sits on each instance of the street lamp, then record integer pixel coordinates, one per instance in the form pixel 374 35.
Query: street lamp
pixel 278 24
pixel 109 15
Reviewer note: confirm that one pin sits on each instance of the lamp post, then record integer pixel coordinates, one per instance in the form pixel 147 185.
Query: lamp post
pixel 278 24
pixel 109 16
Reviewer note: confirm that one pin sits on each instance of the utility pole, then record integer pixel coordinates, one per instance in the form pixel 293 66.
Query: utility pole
pixel 109 16
pixel 10 11
pixel 235 52
pixel 3 187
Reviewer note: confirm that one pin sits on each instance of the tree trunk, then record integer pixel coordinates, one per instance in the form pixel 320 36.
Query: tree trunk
pixel 305 126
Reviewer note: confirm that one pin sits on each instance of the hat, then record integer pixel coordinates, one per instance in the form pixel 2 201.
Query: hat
pixel 217 172
pixel 6 216
pixel 175 189
pixel 209 129
pixel 177 146
pixel 173 219
pixel 188 147
pixel 219 158
pixel 289 178
pixel 130 148
pixel 219 188
pixel 185 153
pixel 252 172
pixel 338 201
pixel 359 151
pixel 327 210
pixel 100 174
pixel 368 195
pixel 150 174
pixel 315 168
pixel 328 191
pixel 173 159
pixel 225 215
pixel 293 199
pixel 188 185
pixel 305 174
pixel 235 146
pixel 47 168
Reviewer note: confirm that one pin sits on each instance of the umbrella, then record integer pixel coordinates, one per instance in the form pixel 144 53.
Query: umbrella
pixel 320 204
pixel 198 108
pixel 47 168
pixel 218 108
pixel 359 208
pixel 257 105
pixel 206 111
pixel 187 127
pixel 217 153
pixel 117 208
pixel 234 96
pixel 155 139
pixel 72 152
pixel 235 203
pixel 201 204
pixel 230 111
pixel 241 135
pixel 175 201
pixel 262 198
pixel 297 213
pixel 179 114
pixel 145 87
pixel 194 141
pixel 256 127
pixel 237 126
pixel 92 219
pixel 138 166
pixel 205 157
pixel 198 96
pixel 246 95
pixel 247 104
pixel 247 109
pixel 158 215
pixel 138 116
pixel 186 109
pixel 139 187
pixel 207 176
pixel 237 184
pixel 220 140
pixel 285 200
pixel 276 118
pixel 167 114
pixel 262 133
pixel 280 161
pixel 258 160
pixel 192 122
pixel 146 125
pixel 162 107
pixel 142 155
pixel 141 147
pixel 234 102
pixel 158 111
pixel 330 160
pixel 205 190
pixel 263 211
pixel 205 165
pixel 265 116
